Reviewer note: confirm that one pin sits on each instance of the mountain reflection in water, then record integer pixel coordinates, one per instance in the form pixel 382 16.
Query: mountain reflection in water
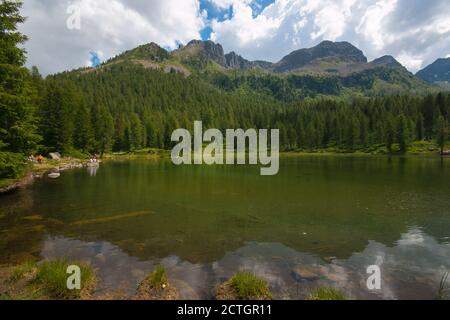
pixel 411 269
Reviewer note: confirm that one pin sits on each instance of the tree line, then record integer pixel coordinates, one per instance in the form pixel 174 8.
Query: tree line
pixel 125 107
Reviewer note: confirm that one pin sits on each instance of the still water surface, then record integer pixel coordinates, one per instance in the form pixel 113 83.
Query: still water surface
pixel 321 221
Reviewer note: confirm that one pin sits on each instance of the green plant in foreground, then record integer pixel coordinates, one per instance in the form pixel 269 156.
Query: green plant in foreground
pixel 22 270
pixel 250 287
pixel 158 278
pixel 52 276
pixel 442 293
pixel 326 294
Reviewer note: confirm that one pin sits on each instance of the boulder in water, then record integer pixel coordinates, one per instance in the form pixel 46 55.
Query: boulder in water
pixel 54 175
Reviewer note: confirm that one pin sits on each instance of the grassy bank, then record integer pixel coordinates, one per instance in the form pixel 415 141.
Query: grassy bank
pixel 147 153
pixel 45 281
pixel 415 148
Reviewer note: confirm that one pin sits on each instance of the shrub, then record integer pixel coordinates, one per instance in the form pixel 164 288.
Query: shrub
pixel 12 165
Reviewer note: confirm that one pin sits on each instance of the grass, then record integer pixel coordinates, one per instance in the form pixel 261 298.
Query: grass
pixel 250 287
pixel 325 293
pixel 52 277
pixel 47 280
pixel 156 287
pixel 414 148
pixel 442 293
pixel 158 278
pixel 22 270
pixel 147 153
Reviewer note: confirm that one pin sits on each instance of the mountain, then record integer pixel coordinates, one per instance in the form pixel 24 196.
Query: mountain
pixel 438 71
pixel 387 61
pixel 197 51
pixel 330 68
pixel 327 52
pixel 150 51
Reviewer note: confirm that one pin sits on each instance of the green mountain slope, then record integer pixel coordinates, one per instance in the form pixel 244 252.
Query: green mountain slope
pixel 437 72
pixel 330 69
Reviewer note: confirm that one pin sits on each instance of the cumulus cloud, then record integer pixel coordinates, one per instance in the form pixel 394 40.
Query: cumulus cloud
pixel 416 32
pixel 107 26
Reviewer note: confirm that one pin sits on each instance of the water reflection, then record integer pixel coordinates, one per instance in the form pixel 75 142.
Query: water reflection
pixel 411 269
pixel 308 226
pixel 92 170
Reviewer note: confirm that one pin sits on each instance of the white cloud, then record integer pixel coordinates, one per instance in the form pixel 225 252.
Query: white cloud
pixel 109 26
pixel 416 32
pixel 372 23
pixel 409 61
pixel 330 20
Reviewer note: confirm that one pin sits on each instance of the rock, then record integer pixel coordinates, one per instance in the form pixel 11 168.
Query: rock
pixel 55 156
pixel 54 175
pixel 330 259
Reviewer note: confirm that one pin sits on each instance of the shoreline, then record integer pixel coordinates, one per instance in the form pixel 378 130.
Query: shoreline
pixel 38 171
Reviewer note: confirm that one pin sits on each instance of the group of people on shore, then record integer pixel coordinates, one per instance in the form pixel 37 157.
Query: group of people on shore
pixel 39 158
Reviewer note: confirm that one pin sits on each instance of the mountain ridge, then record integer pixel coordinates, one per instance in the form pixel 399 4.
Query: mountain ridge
pixel 343 53
pixel 330 68
pixel 438 71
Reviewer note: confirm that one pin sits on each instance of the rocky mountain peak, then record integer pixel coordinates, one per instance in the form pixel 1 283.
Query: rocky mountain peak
pixel 336 52
pixel 208 49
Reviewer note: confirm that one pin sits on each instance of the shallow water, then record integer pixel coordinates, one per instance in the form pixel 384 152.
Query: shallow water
pixel 320 221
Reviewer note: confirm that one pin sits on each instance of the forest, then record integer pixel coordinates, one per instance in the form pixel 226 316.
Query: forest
pixel 124 107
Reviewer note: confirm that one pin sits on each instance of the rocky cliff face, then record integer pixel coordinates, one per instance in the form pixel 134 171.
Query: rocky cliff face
pixel 235 61
pixel 208 50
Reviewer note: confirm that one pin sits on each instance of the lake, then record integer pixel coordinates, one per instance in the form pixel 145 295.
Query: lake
pixel 320 222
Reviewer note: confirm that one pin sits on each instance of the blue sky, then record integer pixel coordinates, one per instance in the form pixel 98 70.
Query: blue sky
pixel 415 32
pixel 222 14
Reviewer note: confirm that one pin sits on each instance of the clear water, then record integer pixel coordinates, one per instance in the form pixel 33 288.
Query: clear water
pixel 321 221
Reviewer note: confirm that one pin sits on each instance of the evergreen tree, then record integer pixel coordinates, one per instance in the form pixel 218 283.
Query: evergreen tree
pixel 83 135
pixel 402 133
pixel 390 134
pixel 441 133
pixel 17 94
pixel 420 130
pixel 104 130
pixel 57 117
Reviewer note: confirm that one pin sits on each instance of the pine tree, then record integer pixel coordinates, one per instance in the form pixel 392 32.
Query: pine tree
pixel 390 134
pixel 420 130
pixel 83 135
pixel 402 133
pixel 441 133
pixel 17 94
pixel 104 130
pixel 57 117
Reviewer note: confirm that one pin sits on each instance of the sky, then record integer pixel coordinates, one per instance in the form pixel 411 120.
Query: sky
pixel 70 34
